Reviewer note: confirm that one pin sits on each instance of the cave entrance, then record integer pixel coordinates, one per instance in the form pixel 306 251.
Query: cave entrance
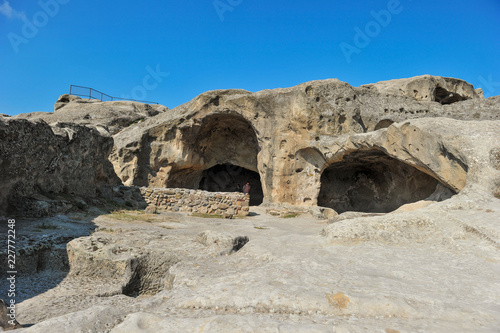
pixel 371 181
pixel 226 149
pixel 443 96
pixel 231 178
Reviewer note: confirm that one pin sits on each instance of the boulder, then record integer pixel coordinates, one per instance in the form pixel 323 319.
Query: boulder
pixel 220 242
pixel 212 238
pixel 150 209
pixel 134 270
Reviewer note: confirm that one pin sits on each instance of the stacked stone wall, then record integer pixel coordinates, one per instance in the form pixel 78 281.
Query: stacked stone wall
pixel 196 201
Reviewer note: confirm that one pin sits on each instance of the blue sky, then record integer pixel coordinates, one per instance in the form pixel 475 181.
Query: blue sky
pixel 171 51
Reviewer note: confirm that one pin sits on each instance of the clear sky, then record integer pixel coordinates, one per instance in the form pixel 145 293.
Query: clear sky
pixel 170 51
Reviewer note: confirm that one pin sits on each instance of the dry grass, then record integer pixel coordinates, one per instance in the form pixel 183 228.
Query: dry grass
pixel 139 215
pixel 212 216
pixel 261 228
pixel 290 215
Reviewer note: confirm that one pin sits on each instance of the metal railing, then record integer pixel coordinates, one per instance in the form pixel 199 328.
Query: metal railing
pixel 91 93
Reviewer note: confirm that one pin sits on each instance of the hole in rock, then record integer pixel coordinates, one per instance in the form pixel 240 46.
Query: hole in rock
pixel 383 124
pixel 231 178
pixel 148 274
pixel 370 181
pixel 443 96
pixel 239 242
pixel 229 147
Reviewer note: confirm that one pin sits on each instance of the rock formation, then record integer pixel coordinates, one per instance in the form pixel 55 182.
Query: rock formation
pixel 321 142
pixel 434 269
pixel 112 116
pixel 407 171
pixel 444 90
pixel 47 169
pixel 288 141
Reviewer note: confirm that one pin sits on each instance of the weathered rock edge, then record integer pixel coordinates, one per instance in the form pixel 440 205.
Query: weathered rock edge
pixel 44 169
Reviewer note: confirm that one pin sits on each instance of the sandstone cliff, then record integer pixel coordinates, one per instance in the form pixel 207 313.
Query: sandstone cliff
pixel 295 144
pixel 285 139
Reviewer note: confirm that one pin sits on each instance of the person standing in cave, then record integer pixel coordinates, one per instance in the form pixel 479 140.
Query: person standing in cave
pixel 246 188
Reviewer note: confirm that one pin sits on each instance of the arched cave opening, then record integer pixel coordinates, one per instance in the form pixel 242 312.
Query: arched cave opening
pixel 231 178
pixel 372 182
pixel 228 147
pixel 443 96
pixel 228 139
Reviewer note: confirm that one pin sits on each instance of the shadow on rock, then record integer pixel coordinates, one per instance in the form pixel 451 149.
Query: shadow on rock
pixel 41 259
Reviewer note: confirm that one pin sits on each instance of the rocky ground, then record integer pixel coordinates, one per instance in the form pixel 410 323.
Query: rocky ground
pixel 434 269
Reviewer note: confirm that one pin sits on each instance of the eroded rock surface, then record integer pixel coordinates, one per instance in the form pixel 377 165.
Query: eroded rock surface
pixel 434 269
pixel 287 137
pixel 444 90
pixel 285 141
pixel 112 116
pixel 427 145
pixel 46 169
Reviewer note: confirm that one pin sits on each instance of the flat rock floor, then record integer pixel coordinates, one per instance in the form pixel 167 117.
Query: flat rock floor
pixel 435 269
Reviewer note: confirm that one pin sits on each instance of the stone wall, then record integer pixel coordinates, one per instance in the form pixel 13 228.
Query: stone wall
pixel 197 201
